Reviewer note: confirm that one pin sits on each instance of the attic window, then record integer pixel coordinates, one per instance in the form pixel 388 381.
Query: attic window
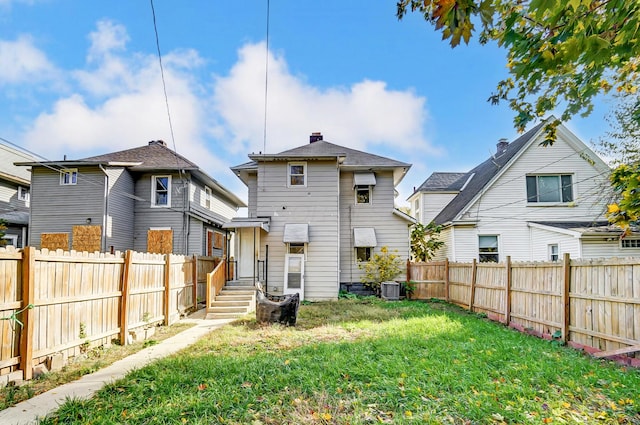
pixel 549 188
pixel 68 176
pixel 23 193
pixel 207 197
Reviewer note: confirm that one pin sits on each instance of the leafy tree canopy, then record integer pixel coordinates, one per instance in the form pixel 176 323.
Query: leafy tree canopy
pixel 561 53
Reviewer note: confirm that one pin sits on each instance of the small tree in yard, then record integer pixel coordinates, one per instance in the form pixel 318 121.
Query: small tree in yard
pixel 424 241
pixel 380 268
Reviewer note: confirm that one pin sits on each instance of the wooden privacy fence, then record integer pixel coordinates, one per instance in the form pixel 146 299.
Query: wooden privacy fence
pixel 57 304
pixel 591 304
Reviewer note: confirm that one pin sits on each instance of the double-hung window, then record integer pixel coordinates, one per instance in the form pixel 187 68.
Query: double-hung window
pixel 297 174
pixel 553 252
pixel 161 191
pixel 550 188
pixel 488 249
pixel 23 193
pixel 68 176
pixel 207 198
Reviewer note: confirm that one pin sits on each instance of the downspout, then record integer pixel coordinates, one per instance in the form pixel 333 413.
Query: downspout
pixel 105 212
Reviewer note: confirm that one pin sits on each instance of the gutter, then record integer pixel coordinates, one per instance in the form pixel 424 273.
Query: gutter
pixel 106 208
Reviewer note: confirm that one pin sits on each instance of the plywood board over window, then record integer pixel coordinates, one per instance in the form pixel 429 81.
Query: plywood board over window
pixel 53 241
pixel 86 238
pixel 160 241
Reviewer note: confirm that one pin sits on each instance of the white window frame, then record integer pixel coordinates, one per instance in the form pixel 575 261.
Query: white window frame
pixel 368 251
pixel 208 195
pixel 23 193
pixel 290 175
pixel 12 240
pixel 368 188
pixel 560 190
pixel 630 243
pixel 554 252
pixel 154 203
pixel 487 253
pixel 68 176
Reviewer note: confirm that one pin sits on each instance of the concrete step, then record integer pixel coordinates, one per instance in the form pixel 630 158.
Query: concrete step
pixel 232 303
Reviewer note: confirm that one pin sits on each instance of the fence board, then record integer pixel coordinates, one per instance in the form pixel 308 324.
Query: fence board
pixel 592 303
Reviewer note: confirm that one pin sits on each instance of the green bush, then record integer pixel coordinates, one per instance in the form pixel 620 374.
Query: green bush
pixel 382 267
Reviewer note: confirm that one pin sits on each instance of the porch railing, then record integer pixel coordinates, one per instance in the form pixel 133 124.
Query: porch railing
pixel 215 281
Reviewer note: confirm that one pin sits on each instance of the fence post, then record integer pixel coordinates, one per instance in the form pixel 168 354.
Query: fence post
pixel 474 270
pixel 566 316
pixel 446 279
pixel 124 300
pixel 507 301
pixel 167 288
pixel 195 281
pixel 408 271
pixel 26 333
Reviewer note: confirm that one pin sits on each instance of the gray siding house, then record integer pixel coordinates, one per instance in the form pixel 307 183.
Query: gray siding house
pixel 14 195
pixel 149 199
pixel 315 212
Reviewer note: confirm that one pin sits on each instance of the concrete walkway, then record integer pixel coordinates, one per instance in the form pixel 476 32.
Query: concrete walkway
pixel 29 411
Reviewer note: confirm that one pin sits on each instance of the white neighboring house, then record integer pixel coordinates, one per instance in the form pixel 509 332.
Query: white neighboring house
pixel 315 213
pixel 527 201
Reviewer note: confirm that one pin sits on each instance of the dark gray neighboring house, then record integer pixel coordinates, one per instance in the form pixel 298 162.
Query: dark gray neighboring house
pixel 14 195
pixel 149 199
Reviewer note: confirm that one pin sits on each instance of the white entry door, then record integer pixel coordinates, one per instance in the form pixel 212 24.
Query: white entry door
pixel 249 245
pixel 294 274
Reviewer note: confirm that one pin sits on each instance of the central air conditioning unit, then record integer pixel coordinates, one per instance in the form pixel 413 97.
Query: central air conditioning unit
pixel 390 291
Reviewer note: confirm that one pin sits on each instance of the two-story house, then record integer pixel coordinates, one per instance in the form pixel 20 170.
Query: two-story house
pixel 149 199
pixel 14 195
pixel 315 213
pixel 527 201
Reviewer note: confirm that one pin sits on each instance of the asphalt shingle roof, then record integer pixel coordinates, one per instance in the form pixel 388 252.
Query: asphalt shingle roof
pixel 155 155
pixel 481 175
pixel 443 182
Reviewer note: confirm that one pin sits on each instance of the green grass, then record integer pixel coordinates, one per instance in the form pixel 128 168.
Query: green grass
pixel 366 361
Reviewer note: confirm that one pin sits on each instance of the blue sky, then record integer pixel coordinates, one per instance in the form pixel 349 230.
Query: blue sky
pixel 81 78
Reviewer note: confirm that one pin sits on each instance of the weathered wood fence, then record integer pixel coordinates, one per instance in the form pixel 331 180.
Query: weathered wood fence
pixel 58 304
pixel 591 304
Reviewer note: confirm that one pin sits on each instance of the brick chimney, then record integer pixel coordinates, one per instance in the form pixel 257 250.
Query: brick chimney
pixel 502 145
pixel 315 136
pixel 157 142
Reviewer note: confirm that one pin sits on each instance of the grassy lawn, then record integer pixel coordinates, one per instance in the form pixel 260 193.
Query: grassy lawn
pixel 363 362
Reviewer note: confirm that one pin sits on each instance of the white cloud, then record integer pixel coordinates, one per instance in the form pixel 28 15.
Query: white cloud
pixel 21 61
pixel 358 116
pixel 107 38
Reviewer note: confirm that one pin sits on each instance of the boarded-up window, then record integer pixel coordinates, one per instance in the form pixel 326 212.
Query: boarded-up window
pixel 218 241
pixel 160 241
pixel 53 241
pixel 86 238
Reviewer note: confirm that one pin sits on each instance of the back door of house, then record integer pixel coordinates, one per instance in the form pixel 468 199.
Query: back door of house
pixel 294 274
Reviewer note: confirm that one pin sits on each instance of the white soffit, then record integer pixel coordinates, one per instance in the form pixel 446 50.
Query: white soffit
pixel 364 179
pixel 364 237
pixel 296 233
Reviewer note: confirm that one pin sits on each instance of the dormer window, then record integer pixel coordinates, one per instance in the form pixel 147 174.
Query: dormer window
pixel 68 176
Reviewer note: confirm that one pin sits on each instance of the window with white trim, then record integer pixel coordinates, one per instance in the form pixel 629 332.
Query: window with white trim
pixel 363 254
pixel 416 209
pixel 68 176
pixel 23 193
pixel 363 194
pixel 553 252
pixel 297 174
pixel 488 249
pixel 207 197
pixel 630 243
pixel 161 191
pixel 550 188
